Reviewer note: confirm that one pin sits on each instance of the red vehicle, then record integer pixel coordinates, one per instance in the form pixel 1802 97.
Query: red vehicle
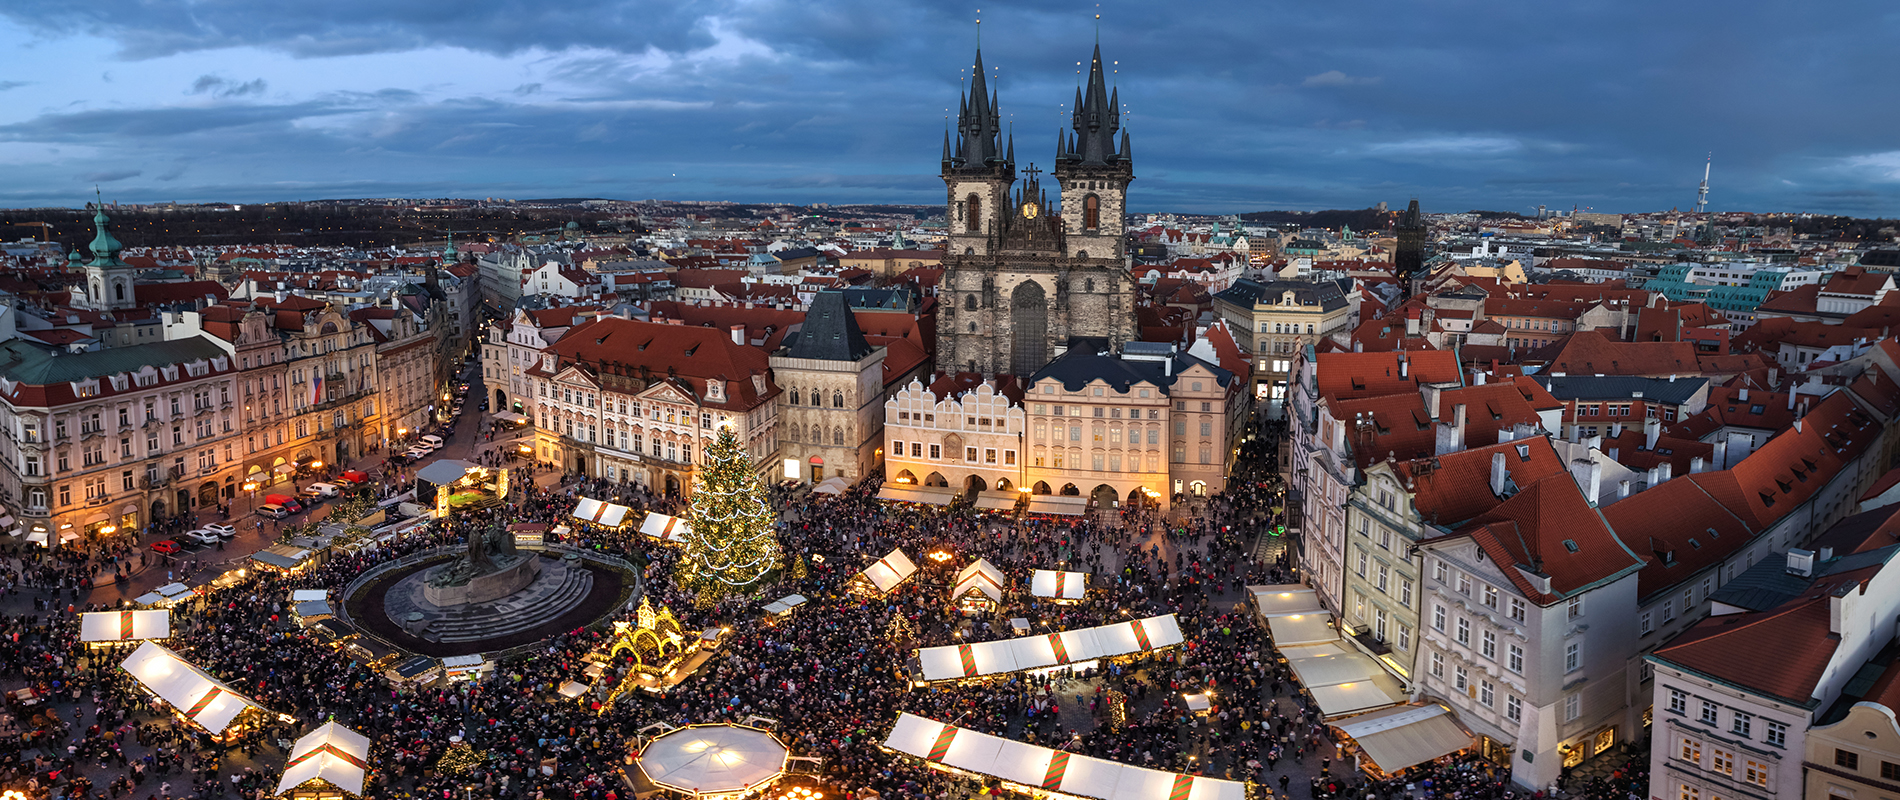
pixel 356 476
pixel 289 503
pixel 165 546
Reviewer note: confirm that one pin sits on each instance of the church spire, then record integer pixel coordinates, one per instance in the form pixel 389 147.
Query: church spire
pixel 979 125
pixel 1096 119
pixel 105 248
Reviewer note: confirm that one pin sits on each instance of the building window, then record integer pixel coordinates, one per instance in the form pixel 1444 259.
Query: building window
pixel 1438 665
pixel 1722 761
pixel 1889 771
pixel 1744 725
pixel 1573 656
pixel 1517 609
pixel 1488 645
pixel 1459 678
pixel 1691 751
pixel 1757 773
pixel 1385 574
pixel 1846 759
pixel 1574 607
pixel 1485 693
pixel 1405 638
pixel 1708 712
pixel 1464 631
pixel 1464 584
pixel 1438 618
pixel 1678 702
pixel 1573 707
pixel 1405 592
pixel 1689 793
pixel 1491 597
pixel 1439 572
pixel 1644 624
pixel 1513 707
pixel 1777 734
pixel 1514 658
pixel 1362 561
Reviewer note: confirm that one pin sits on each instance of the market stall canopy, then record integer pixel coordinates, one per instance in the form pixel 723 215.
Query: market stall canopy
pixel 1058 504
pixel 995 501
pixel 784 605
pixel 164 595
pixel 281 556
pixel 1053 771
pixel 713 759
pixel 1058 585
pixel 1341 679
pixel 313 608
pixel 1284 599
pixel 981 577
pixel 886 573
pixel 284 469
pixel 573 689
pixel 933 495
pixel 192 691
pixel 601 512
pixel 1298 629
pixel 510 416
pixel 331 754
pixel 1396 738
pixel 305 595
pixel 954 662
pixel 124 626
pixel 665 528
pixel 831 485
pixel 445 471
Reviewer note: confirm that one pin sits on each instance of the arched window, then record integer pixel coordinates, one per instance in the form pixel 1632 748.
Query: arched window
pixel 816 398
pixel 837 399
pixel 973 330
pixel 969 302
pixel 794 395
pixel 1088 285
pixel 119 289
pixel 973 223
pixel 1091 212
pixel 837 436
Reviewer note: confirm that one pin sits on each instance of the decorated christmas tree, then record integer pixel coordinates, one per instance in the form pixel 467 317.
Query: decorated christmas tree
pixel 732 546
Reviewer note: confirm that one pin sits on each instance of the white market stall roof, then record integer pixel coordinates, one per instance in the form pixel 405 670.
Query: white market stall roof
pixel 1059 585
pixel 164 595
pixel 982 577
pixel 197 695
pixel 1048 770
pixel 445 471
pixel 1060 504
pixel 1342 680
pixel 785 604
pixel 953 662
pixel 995 501
pixel 332 754
pixel 712 759
pixel 1284 599
pixel 831 485
pixel 601 512
pixel 509 416
pixel 304 595
pixel 124 626
pixel 1396 738
pixel 886 573
pixel 934 495
pixel 314 608
pixel 1292 630
pixel 665 528
pixel 573 689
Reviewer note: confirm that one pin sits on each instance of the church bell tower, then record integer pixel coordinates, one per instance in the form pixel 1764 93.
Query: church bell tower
pixel 980 169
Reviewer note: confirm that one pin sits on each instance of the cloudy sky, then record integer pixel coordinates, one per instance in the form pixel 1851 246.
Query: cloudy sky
pixel 1234 106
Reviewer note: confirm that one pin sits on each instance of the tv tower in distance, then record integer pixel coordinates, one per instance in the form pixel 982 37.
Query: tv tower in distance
pixel 1702 194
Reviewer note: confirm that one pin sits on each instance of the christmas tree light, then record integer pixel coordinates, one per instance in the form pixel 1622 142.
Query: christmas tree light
pixel 732 546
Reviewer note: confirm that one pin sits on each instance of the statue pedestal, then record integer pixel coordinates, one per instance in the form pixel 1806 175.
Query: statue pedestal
pixel 483 588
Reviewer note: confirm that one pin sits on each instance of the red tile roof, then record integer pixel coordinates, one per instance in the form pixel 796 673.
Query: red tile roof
pixel 1351 375
pixel 1452 488
pixel 689 355
pixel 1676 520
pixel 1729 648
pixel 1592 353
pixel 1549 527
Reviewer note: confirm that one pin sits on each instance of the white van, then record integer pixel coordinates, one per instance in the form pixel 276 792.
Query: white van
pixel 433 441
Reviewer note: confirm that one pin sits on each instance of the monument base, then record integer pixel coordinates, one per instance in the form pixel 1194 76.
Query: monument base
pixel 557 587
pixel 483 588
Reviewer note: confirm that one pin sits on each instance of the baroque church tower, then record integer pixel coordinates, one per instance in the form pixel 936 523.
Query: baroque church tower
pixel 1021 278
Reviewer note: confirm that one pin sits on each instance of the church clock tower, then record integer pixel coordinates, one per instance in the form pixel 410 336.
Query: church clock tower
pixel 1094 173
pixel 109 283
pixel 979 171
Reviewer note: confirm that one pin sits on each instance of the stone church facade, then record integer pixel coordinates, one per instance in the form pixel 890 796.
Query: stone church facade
pixel 1023 277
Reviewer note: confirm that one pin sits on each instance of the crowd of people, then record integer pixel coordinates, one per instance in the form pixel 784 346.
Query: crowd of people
pixel 833 673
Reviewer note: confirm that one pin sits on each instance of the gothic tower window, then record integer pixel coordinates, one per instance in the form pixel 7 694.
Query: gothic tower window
pixel 1092 212
pixel 1029 321
pixel 837 399
pixel 1088 285
pixel 974 222
pixel 969 302
pixel 817 399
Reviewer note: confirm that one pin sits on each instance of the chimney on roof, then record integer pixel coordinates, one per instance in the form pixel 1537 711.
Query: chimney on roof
pixel 1797 424
pixel 1451 435
pixel 1652 429
pixel 1498 474
pixel 1666 470
pixel 1697 465
pixel 1616 431
pixel 1358 347
pixel 1431 394
pixel 1826 555
pixel 1405 368
pixel 1800 562
pixel 1623 488
pixel 1411 322
pixel 738 334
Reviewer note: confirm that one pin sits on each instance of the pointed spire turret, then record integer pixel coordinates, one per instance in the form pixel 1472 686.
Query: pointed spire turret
pixel 1096 118
pixel 946 146
pixel 1011 155
pixel 979 123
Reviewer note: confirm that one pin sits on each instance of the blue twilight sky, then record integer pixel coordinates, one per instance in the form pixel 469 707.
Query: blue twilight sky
pixel 1234 106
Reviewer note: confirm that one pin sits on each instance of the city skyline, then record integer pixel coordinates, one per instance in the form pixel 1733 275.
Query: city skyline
pixel 1234 108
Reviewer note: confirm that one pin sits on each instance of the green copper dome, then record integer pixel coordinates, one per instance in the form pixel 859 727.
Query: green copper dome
pixel 104 247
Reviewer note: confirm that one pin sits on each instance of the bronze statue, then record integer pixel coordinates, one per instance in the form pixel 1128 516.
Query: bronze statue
pixel 488 550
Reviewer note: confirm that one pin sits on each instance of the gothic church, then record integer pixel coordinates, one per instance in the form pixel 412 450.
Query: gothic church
pixel 1021 278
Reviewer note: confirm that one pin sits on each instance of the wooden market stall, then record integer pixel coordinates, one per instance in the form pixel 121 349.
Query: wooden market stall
pixel 193 694
pixel 329 763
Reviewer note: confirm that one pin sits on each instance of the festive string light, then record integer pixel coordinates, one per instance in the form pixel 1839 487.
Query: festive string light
pixel 732 545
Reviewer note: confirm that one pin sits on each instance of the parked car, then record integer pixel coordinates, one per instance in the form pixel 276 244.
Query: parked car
pixel 272 510
pixel 221 529
pixel 416 453
pixel 165 546
pixel 433 441
pixel 203 537
pixel 323 490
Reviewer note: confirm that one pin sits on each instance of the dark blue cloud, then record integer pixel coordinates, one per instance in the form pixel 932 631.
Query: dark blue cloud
pixel 1233 105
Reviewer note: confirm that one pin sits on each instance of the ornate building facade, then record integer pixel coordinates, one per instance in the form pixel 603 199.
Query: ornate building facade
pixel 1021 278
